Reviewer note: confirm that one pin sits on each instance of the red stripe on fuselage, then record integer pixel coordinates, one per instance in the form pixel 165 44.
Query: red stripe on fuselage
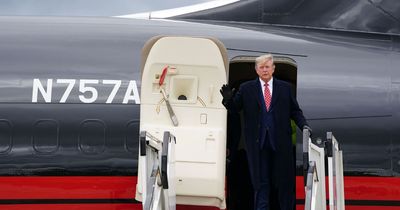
pixel 91 207
pixel 123 187
pixel 363 188
pixel 73 187
pixel 359 188
pixel 348 207
pixel 73 207
pixel 67 187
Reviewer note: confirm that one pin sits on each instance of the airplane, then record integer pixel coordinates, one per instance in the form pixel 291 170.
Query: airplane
pixel 69 101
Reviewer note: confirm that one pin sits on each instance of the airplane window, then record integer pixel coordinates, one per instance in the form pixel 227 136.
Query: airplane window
pixel 88 7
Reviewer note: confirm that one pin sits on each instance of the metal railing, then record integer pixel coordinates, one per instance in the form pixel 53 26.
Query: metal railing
pixel 314 173
pixel 159 171
pixel 315 156
pixel 311 187
pixel 335 165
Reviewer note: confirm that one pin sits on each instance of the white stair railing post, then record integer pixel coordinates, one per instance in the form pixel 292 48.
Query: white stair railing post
pixel 158 172
pixel 335 172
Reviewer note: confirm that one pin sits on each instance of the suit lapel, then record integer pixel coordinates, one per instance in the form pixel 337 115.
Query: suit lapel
pixel 257 91
pixel 275 93
pixel 259 94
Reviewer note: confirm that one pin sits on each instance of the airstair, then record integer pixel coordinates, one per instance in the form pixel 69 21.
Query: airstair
pixel 158 172
pixel 314 173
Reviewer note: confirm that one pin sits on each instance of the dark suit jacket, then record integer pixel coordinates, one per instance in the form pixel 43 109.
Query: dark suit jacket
pixel 285 108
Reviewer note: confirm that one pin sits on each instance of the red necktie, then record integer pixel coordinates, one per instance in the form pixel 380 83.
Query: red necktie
pixel 267 96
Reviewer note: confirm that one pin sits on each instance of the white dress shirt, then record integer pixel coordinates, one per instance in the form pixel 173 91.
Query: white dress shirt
pixel 270 85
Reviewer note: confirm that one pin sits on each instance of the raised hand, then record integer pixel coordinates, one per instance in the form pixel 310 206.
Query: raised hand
pixel 226 92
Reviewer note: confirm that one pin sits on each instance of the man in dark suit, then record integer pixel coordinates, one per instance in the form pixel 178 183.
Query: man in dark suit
pixel 268 105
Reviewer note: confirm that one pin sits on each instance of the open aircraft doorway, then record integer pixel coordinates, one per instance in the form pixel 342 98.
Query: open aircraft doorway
pixel 242 69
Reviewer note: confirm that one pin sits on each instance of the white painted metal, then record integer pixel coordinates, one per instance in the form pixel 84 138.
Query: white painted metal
pixel 340 181
pixel 315 188
pixel 332 192
pixel 311 187
pixel 336 178
pixel 194 65
pixel 317 155
pixel 156 194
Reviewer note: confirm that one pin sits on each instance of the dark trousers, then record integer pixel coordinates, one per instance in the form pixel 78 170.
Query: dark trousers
pixel 263 194
pixel 283 197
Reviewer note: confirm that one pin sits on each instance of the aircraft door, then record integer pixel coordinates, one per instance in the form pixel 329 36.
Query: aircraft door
pixel 188 72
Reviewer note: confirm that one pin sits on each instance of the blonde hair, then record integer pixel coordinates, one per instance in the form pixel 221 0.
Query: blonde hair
pixel 264 58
